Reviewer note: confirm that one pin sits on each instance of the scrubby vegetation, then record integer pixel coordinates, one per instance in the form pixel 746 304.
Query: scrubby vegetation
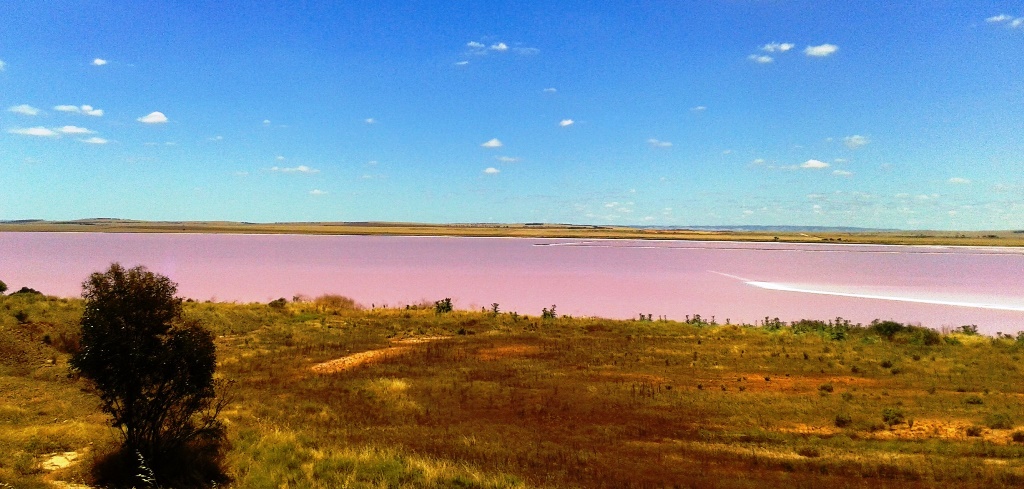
pixel 492 399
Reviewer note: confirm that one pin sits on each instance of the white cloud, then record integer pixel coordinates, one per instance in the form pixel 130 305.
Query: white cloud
pixel 761 59
pixel 370 120
pixel 24 109
pixel 216 138
pixel 499 47
pixel 566 122
pixel 74 130
pixel 297 169
pixel 153 118
pixel 279 158
pixel 780 47
pixel 727 152
pixel 474 45
pixel 699 108
pixel 34 131
pixel 84 109
pixel 842 173
pixel 507 159
pixel 855 141
pixel 492 170
pixel 494 143
pixel 1017 22
pixel 995 19
pixel 821 51
pixel 2 65
pixel 94 140
pixel 317 191
pixel 959 181
pixel 99 62
pixel 659 144
pixel 758 161
pixel 461 63
pixel 550 90
pixel 814 164
pixel 266 122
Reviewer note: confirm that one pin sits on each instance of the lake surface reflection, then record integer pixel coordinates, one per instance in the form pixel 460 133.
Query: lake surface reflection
pixel 742 282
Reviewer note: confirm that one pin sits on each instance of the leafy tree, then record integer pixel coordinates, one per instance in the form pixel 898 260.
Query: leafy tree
pixel 154 372
pixel 3 287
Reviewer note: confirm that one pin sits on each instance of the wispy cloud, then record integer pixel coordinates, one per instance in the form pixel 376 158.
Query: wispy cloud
pixel 507 159
pixel 475 45
pixel 698 109
pixel 153 118
pixel 34 131
pixel 658 143
pixel 842 173
pixel 492 170
pixel 855 141
pixel 99 62
pixel 2 65
pixel 370 120
pixel 959 181
pixel 82 109
pixel 550 90
pixel 761 58
pixel 566 122
pixel 461 63
pixel 821 51
pixel 499 47
pixel 297 169
pixel 778 47
pixel 995 19
pixel 494 143
pixel 74 130
pixel 24 109
pixel 814 164
pixel 317 191
pixel 94 140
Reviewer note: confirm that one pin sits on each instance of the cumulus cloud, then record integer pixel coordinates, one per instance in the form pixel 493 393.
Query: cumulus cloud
pixel 507 159
pixel 821 51
pixel 492 170
pixel 24 109
pixel 761 58
pixel 658 143
pixel 34 131
pixel 566 122
pixel 74 130
pixel 297 169
pixel 94 140
pixel 494 143
pixel 99 62
pixel 855 141
pixel 475 45
pixel 842 173
pixel 83 109
pixel 550 90
pixel 959 181
pixel 266 122
pixel 317 191
pixel 778 47
pixel 499 47
pixel 154 118
pixel 814 164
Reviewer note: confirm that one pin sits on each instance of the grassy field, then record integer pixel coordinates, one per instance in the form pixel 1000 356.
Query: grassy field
pixel 328 395
pixel 973 238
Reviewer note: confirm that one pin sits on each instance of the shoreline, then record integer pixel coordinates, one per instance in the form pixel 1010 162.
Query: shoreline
pixel 981 239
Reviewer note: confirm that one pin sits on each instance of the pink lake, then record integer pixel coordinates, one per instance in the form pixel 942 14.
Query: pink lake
pixel 743 282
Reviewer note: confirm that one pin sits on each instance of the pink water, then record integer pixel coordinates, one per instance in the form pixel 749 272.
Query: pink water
pixel 742 282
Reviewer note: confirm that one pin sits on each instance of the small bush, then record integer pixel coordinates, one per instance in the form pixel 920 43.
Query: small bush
pixel 886 364
pixel 1017 436
pixel 843 420
pixel 808 451
pixel 974 430
pixel 333 303
pixel 826 388
pixel 886 329
pixel 974 400
pixel 443 306
pixel 999 421
pixel 892 416
pixel 21 316
pixel 278 303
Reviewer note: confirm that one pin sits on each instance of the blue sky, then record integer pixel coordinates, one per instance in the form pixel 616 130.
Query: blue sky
pixel 771 112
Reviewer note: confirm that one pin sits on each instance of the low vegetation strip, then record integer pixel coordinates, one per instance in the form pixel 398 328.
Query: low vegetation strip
pixel 502 400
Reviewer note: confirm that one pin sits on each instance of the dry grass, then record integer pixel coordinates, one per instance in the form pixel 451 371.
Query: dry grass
pixel 525 402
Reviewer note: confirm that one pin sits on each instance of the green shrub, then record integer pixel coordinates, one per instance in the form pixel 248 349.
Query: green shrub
pixel 999 421
pixel 892 416
pixel 808 451
pixel 1017 436
pixel 826 388
pixel 886 329
pixel 843 420
pixel 886 363
pixel 974 430
pixel 974 400
pixel 443 306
